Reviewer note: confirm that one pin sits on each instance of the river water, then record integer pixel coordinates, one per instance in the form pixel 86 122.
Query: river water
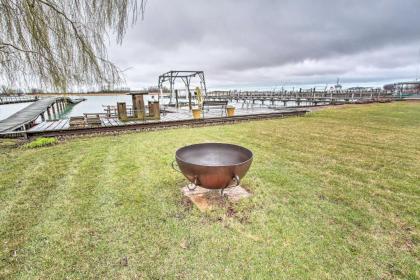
pixel 7 110
pixel 92 104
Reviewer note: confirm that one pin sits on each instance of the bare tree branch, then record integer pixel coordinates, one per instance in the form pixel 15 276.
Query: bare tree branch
pixel 56 43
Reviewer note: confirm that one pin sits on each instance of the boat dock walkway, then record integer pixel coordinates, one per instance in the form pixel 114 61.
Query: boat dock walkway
pixel 17 99
pixel 307 97
pixel 25 118
pixel 17 125
pixel 171 118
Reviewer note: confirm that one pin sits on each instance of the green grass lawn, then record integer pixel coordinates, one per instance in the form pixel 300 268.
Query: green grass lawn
pixel 336 196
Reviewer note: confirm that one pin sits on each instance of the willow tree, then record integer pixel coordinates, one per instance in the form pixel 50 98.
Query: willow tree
pixel 62 43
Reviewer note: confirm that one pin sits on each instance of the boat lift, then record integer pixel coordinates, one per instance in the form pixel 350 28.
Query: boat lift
pixel 186 77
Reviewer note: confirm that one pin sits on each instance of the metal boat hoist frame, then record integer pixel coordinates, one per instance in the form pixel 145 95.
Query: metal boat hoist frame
pixel 186 77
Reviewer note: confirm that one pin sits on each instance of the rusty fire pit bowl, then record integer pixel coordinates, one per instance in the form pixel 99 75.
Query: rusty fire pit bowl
pixel 214 165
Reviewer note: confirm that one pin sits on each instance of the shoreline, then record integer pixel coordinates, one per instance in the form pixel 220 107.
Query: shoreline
pixel 85 94
pixel 76 94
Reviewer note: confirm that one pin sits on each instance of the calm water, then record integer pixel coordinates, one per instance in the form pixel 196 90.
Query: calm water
pixel 7 110
pixel 93 104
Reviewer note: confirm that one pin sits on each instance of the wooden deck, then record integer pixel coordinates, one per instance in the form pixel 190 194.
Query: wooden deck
pixel 146 126
pixel 174 115
pixel 17 99
pixel 29 114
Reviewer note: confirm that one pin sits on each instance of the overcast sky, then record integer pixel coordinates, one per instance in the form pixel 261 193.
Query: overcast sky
pixel 273 42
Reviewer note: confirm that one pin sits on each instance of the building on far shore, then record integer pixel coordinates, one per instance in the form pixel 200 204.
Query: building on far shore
pixel 361 88
pixel 404 88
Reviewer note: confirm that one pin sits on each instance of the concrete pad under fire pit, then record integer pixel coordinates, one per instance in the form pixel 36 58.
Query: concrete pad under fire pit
pixel 206 199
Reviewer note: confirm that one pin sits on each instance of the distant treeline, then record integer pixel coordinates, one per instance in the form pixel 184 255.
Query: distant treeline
pixel 11 91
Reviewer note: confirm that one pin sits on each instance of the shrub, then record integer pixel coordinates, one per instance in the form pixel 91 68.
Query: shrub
pixel 41 142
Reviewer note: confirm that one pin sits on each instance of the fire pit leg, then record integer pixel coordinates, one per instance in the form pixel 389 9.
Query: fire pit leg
pixel 193 186
pixel 236 180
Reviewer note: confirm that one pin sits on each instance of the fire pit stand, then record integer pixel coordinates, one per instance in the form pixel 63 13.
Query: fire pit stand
pixel 213 165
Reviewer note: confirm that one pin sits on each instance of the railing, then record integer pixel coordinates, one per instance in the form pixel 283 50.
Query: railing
pixel 17 99
pixel 301 94
pixel 111 111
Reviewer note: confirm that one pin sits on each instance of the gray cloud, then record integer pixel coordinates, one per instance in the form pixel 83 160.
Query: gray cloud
pixel 265 42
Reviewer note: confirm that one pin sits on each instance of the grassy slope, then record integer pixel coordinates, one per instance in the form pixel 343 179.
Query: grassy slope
pixel 336 195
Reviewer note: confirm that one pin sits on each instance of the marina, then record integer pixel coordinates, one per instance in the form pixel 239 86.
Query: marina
pixel 58 115
pixel 52 115
pixel 307 97
pixel 186 103
pixel 169 119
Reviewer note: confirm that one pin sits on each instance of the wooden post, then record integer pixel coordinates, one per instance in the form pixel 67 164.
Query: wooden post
pixel 189 99
pixel 53 110
pixel 58 108
pixel 42 117
pixel 49 113
pixel 138 106
pixel 122 111
pixel 176 98
pixel 189 94
pixel 156 110
pixel 171 84
pixel 150 107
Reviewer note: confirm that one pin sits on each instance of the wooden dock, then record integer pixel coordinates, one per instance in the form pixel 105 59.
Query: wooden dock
pixel 307 97
pixel 25 118
pixel 182 118
pixel 4 100
pixel 170 117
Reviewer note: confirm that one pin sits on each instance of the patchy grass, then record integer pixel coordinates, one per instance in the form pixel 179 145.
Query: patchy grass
pixel 41 142
pixel 336 195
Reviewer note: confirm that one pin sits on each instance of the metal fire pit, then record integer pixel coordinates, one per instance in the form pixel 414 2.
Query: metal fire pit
pixel 213 165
